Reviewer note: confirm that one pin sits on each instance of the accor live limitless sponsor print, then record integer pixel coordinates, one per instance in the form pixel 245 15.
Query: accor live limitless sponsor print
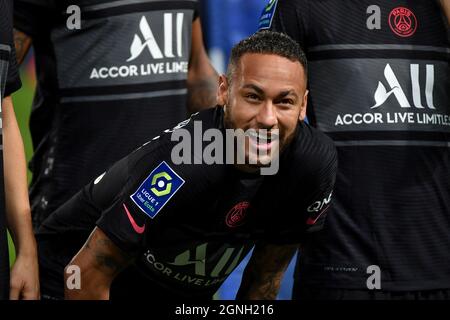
pixel 192 266
pixel 418 109
pixel 166 56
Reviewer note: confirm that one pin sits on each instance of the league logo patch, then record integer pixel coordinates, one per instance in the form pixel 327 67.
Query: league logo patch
pixel 402 22
pixel 157 189
pixel 265 22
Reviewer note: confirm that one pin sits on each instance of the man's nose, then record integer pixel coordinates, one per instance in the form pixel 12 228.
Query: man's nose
pixel 267 116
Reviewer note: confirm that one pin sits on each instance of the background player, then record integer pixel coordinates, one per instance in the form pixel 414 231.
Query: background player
pixel 14 205
pixel 379 78
pixel 127 73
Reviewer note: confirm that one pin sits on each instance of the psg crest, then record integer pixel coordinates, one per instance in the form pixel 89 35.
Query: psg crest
pixel 236 216
pixel 402 22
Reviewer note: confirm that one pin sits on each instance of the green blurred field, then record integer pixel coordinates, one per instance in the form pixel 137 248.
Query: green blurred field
pixel 22 105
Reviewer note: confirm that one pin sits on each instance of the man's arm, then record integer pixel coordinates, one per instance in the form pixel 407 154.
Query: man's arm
pixel 22 43
pixel 202 78
pixel 24 274
pixel 99 261
pixel 446 7
pixel 263 273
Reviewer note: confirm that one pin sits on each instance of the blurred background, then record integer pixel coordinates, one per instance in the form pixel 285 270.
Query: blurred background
pixel 225 22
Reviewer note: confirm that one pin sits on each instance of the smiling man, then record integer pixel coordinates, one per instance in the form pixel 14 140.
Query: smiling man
pixel 155 229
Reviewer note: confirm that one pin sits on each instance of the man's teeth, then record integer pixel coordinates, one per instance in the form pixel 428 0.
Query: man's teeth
pixel 262 137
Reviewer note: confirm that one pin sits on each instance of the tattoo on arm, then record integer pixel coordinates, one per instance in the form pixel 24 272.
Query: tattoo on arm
pixel 22 43
pixel 113 263
pixel 108 258
pixel 265 270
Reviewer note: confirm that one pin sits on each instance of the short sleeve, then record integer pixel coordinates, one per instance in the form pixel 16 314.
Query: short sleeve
pixel 141 189
pixel 305 197
pixel 125 195
pixel 12 81
pixel 196 10
pixel 34 17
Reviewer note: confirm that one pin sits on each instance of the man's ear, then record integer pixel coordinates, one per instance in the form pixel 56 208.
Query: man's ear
pixel 222 92
pixel 302 114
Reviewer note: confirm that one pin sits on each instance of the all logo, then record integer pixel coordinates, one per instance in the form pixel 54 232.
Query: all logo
pixel 159 56
pixel 395 88
pixel 402 22
pixel 147 40
pixel 231 254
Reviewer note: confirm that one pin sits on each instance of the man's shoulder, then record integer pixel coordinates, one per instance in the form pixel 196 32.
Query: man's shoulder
pixel 311 149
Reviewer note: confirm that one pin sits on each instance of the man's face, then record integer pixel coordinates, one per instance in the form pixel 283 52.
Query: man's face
pixel 266 92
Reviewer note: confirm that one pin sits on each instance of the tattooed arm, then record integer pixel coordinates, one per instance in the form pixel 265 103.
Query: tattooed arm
pixel 22 42
pixel 100 261
pixel 202 78
pixel 262 276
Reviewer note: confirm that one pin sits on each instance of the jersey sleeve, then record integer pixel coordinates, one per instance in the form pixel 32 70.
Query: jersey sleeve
pixel 286 16
pixel 306 198
pixel 34 17
pixel 131 194
pixel 197 10
pixel 12 82
pixel 140 189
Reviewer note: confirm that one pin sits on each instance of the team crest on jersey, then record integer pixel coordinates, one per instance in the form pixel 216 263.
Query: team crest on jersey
pixel 265 22
pixel 157 189
pixel 402 22
pixel 236 216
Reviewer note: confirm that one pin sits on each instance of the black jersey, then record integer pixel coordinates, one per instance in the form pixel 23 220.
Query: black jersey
pixel 379 80
pixel 189 225
pixel 9 82
pixel 103 88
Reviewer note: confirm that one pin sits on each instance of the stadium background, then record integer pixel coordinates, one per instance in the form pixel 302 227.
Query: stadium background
pixel 225 22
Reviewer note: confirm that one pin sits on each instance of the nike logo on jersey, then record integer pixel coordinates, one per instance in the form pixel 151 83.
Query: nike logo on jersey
pixel 135 226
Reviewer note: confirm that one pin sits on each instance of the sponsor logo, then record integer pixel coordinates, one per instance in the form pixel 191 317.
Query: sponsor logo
pixel 145 45
pixel 402 22
pixel 382 94
pixel 236 216
pixel 157 189
pixel 318 208
pixel 265 21
pixel 149 42
pixel 390 91
pixel 135 226
pixel 194 268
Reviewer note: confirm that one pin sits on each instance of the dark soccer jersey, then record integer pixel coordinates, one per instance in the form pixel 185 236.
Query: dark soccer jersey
pixel 103 89
pixel 9 82
pixel 379 80
pixel 190 225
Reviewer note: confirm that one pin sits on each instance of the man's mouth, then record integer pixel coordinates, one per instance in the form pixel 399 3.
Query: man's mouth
pixel 262 139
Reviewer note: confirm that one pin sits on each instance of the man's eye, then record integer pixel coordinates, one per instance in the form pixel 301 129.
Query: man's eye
pixel 287 101
pixel 252 96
